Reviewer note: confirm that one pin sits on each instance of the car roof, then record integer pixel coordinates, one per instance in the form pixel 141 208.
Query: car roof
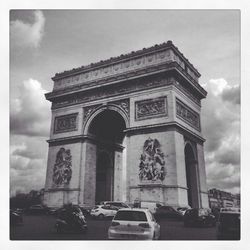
pixel 134 209
pixel 112 202
pixel 230 210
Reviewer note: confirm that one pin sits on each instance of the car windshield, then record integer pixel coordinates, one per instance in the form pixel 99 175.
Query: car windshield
pixel 131 216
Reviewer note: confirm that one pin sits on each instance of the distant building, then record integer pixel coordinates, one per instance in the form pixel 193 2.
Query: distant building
pixel 219 199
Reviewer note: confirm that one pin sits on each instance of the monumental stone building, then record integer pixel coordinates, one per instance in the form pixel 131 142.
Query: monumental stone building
pixel 128 128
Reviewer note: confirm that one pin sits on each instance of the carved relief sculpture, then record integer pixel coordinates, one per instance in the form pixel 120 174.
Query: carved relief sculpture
pixel 123 104
pixel 65 123
pixel 152 161
pixel 151 108
pixel 62 171
pixel 88 111
pixel 187 114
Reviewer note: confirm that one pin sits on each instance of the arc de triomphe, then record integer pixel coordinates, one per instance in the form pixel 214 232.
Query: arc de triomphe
pixel 127 128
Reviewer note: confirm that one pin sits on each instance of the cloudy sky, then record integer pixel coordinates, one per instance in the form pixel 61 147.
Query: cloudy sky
pixel 45 42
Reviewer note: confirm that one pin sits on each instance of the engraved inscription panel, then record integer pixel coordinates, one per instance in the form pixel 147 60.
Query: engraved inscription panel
pixel 151 108
pixel 187 114
pixel 65 123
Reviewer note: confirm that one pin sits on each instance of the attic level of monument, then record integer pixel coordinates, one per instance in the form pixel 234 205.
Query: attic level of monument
pixel 157 60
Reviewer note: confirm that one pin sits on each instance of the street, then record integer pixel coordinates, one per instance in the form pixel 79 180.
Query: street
pixel 41 227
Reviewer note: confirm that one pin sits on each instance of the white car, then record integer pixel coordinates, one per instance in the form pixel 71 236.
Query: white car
pixel 134 224
pixel 117 204
pixel 102 211
pixel 182 210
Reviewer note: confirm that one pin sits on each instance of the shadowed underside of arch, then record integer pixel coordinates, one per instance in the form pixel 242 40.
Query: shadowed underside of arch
pixel 107 128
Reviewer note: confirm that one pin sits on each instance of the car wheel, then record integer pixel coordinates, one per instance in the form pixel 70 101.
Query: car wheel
pixel 100 216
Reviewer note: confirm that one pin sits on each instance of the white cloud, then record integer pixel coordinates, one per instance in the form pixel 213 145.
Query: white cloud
pixel 221 128
pixel 26 175
pixel 30 111
pixel 25 34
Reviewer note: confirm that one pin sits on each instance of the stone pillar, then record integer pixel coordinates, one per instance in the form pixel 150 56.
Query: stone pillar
pixel 118 182
pixel 180 169
pixel 89 182
pixel 202 176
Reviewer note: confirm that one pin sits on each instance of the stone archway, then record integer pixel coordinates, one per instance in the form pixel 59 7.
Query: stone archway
pixel 191 176
pixel 106 130
pixel 106 115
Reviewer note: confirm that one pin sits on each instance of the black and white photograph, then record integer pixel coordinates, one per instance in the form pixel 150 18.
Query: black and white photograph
pixel 125 124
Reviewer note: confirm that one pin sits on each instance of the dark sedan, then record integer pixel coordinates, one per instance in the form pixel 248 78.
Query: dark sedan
pixel 229 224
pixel 164 212
pixel 37 209
pixel 15 217
pixel 199 217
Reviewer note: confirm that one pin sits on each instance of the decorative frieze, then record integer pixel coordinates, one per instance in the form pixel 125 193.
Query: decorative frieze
pixel 151 108
pixel 65 123
pixel 187 114
pixel 115 69
pixel 187 92
pixel 87 111
pixel 110 91
pixel 123 104
pixel 62 171
pixel 152 161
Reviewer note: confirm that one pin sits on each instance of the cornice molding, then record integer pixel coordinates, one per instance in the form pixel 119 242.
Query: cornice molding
pixel 162 126
pixel 154 185
pixel 94 86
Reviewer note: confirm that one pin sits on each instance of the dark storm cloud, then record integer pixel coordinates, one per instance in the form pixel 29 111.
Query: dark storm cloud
pixel 232 95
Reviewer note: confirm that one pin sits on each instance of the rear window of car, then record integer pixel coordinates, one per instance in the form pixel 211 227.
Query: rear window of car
pixel 131 216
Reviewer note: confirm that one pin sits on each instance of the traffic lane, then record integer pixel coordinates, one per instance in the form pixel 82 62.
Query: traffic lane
pixel 41 227
pixel 174 230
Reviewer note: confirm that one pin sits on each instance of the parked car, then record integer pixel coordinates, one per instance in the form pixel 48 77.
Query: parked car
pixel 164 212
pixel 70 219
pixel 103 211
pixel 16 217
pixel 229 224
pixel 133 224
pixel 37 209
pixel 199 217
pixel 85 211
pixel 182 210
pixel 117 204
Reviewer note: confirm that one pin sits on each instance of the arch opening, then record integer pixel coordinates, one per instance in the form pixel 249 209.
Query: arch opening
pixel 191 177
pixel 107 128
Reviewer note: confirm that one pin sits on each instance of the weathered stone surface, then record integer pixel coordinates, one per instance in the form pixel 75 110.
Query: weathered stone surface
pixel 156 97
